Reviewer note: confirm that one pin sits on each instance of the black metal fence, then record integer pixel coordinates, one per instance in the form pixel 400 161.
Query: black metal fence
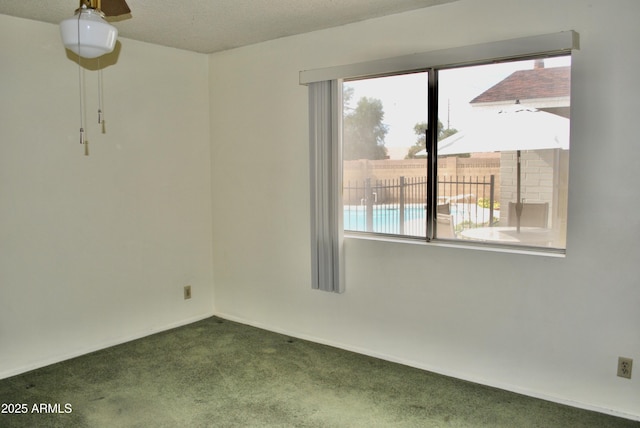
pixel 397 206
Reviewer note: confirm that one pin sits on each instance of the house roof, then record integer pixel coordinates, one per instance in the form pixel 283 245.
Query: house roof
pixel 539 82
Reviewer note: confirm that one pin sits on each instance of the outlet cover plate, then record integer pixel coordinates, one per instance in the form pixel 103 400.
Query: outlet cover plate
pixel 624 367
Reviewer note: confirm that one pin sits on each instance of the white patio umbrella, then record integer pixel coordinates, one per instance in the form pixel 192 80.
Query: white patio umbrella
pixel 517 127
pixel 514 128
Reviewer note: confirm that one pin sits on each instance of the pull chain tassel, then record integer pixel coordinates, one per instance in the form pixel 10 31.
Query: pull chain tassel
pixel 101 121
pixel 81 135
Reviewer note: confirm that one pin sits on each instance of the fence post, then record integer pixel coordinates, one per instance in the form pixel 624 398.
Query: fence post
pixel 368 198
pixel 401 212
pixel 491 196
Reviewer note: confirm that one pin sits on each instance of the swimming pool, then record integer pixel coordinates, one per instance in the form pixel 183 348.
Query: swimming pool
pixel 386 219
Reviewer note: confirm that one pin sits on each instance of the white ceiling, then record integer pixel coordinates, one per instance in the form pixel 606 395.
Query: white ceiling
pixel 208 26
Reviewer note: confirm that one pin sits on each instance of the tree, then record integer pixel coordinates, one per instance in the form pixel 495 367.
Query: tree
pixel 364 131
pixel 421 143
pixel 420 130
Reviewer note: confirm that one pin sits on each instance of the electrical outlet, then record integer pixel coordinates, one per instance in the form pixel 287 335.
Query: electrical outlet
pixel 187 292
pixel 624 367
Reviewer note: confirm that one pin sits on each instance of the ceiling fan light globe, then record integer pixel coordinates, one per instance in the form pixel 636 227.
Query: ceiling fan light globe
pixel 90 36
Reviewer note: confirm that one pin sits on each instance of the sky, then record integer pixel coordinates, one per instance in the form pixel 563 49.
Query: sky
pixel 404 97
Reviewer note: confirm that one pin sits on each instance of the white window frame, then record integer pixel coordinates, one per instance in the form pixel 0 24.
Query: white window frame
pixel 325 112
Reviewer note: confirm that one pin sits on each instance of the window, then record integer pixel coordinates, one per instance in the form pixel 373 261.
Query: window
pixel 491 169
pixel 502 144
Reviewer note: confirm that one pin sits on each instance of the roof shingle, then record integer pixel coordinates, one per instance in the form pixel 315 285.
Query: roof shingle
pixel 529 84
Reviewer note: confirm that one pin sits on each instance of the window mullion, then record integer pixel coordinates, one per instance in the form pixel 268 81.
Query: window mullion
pixel 432 154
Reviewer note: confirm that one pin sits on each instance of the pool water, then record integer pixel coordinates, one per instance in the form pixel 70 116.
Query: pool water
pixel 386 219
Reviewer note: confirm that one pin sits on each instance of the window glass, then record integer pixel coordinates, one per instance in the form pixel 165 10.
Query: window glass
pixel 504 171
pixel 502 153
pixel 384 182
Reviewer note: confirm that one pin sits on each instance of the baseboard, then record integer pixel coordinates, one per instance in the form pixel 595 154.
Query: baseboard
pixel 108 344
pixel 506 387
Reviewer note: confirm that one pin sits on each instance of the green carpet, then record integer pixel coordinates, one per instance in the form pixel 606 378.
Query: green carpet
pixel 217 373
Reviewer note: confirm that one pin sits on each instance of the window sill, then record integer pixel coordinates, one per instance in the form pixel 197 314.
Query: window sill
pixel 459 243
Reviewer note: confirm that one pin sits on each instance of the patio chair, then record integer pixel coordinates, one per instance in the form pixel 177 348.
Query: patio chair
pixel 444 208
pixel 444 227
pixel 533 215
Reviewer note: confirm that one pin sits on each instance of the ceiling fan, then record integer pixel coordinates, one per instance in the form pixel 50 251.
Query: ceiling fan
pixel 87 33
pixel 110 7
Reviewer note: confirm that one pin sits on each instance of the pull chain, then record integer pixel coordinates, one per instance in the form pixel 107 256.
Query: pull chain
pixel 100 105
pixel 81 92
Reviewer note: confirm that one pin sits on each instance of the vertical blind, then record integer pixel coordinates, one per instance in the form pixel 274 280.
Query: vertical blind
pixel 325 153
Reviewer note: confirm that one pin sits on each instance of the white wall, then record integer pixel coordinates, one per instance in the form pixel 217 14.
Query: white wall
pixel 549 327
pixel 96 250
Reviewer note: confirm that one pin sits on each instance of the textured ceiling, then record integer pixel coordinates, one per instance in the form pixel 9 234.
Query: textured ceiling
pixel 208 26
